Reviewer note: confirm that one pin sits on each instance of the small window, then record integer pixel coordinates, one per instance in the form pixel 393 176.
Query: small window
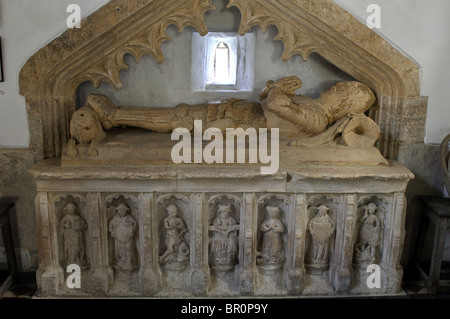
pixel 222 66
pixel 222 62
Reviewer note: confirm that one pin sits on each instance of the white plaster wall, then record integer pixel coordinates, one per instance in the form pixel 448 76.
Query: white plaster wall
pixel 419 27
pixel 25 27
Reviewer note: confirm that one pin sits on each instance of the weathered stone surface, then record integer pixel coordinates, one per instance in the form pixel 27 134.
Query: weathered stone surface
pixel 18 185
pixel 95 53
pixel 237 251
pixel 338 111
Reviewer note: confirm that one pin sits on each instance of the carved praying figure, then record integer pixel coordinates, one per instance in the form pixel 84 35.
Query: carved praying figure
pixel 177 250
pixel 272 251
pixel 225 241
pixel 123 228
pixel 321 227
pixel 367 247
pixel 338 112
pixel 72 228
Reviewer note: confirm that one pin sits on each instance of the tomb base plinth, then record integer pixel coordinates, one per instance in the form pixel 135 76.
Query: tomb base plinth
pixel 324 214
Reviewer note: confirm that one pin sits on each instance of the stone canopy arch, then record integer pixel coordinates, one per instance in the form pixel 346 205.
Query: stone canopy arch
pixel 96 51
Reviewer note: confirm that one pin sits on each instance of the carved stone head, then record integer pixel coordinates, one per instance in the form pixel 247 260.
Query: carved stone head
pixel 224 210
pixel 122 209
pixel 371 208
pixel 273 211
pixel 322 210
pixel 172 210
pixel 70 208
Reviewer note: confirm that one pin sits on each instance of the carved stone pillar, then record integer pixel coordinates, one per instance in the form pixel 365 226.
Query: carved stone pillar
pixel 298 222
pixel 50 276
pixel 200 276
pixel 247 245
pixel 148 278
pixel 342 272
pixel 101 273
pixel 392 272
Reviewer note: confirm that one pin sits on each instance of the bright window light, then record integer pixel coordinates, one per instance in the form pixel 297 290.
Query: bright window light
pixel 222 61
pixel 222 66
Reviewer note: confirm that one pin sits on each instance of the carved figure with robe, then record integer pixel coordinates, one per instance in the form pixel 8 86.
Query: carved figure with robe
pixel 123 227
pixel 368 245
pixel 72 228
pixel 272 228
pixel 225 240
pixel 321 227
pixel 177 250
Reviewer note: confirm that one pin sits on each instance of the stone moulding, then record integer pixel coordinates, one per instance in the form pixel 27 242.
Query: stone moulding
pixel 95 53
pixel 199 197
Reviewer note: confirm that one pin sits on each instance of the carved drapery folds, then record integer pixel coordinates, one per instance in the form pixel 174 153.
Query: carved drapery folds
pixel 161 249
pixel 174 220
pixel 211 233
pixel 224 220
pixel 95 53
pixel 72 228
pixel 370 229
pixel 321 234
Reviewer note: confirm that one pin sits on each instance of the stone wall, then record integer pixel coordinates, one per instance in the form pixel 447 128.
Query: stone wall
pixel 18 185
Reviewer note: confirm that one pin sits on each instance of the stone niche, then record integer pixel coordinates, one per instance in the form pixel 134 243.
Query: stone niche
pixel 111 200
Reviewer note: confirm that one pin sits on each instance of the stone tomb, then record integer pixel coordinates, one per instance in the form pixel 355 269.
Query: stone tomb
pixel 220 230
pixel 111 201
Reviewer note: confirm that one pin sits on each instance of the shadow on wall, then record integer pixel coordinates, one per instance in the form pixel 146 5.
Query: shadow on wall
pixel 17 185
pixel 423 160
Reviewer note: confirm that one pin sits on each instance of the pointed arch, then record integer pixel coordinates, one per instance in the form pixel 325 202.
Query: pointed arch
pixel 95 53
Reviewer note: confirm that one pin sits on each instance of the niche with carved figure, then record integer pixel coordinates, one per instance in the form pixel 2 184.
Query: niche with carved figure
pixel 272 244
pixel 174 222
pixel 224 253
pixel 321 233
pixel 123 240
pixel 371 217
pixel 74 244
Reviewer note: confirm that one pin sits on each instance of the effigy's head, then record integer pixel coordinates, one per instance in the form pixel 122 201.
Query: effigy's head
pixel 85 125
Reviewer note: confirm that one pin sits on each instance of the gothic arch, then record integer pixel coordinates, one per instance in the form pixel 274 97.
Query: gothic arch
pixel 95 53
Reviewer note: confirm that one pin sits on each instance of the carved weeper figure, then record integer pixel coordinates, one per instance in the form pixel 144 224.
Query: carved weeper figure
pixel 337 112
pixel 321 227
pixel 123 227
pixel 72 228
pixel 225 240
pixel 272 251
pixel 177 249
pixel 369 237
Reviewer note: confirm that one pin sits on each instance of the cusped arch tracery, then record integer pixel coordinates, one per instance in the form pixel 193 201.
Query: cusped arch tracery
pixel 96 53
